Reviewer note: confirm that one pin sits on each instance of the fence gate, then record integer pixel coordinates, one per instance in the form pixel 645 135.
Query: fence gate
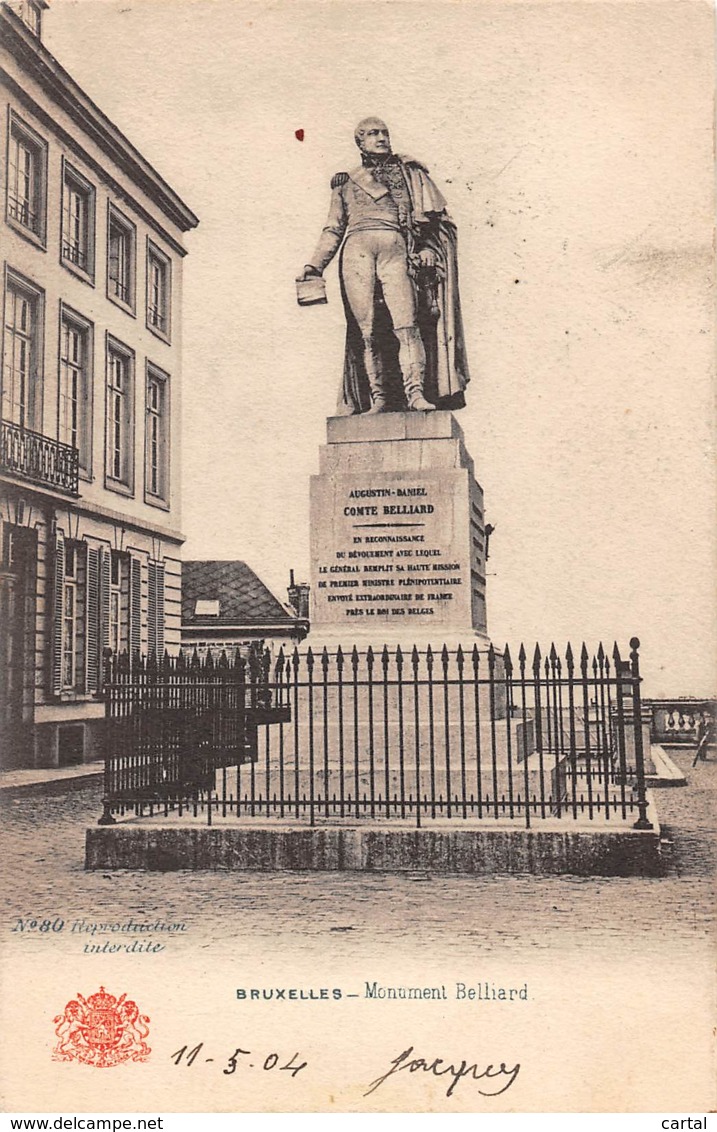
pixel 173 725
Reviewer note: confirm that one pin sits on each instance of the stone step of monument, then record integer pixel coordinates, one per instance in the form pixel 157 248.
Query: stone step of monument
pixel 539 778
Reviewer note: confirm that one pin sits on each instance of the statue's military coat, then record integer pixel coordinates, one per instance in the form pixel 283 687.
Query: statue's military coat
pixel 356 198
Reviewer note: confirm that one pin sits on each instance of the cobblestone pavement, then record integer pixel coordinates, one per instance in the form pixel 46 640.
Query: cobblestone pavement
pixel 43 848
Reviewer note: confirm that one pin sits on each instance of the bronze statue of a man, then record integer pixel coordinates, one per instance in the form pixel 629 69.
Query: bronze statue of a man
pixel 399 282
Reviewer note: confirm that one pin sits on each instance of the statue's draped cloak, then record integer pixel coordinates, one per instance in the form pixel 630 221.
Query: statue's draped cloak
pixel 446 362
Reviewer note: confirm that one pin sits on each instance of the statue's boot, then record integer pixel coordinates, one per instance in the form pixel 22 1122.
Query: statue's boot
pixel 375 379
pixel 412 360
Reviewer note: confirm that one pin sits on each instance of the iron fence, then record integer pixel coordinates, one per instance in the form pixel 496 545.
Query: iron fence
pixel 420 736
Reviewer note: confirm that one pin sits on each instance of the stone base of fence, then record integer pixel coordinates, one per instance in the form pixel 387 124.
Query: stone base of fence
pixel 580 849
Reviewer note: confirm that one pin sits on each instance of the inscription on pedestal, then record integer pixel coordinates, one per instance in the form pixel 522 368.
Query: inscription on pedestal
pixel 397 529
pixel 390 565
pixel 390 547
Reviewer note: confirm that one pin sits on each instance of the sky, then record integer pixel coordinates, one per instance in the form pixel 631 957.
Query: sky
pixel 573 142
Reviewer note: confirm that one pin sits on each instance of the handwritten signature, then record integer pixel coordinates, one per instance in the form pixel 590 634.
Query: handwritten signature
pixel 440 1068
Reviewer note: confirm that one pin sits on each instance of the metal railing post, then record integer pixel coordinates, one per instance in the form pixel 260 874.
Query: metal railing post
pixel 642 821
pixel 107 818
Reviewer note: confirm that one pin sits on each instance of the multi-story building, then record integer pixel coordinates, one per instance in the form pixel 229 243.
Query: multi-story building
pixel 91 254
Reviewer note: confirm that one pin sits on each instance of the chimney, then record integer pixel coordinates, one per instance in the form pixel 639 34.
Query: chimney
pixel 299 596
pixel 30 12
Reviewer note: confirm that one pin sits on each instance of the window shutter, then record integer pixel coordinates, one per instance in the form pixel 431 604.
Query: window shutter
pixel 159 575
pixel 151 608
pixel 155 607
pixel 57 609
pixel 135 606
pixel 104 597
pixel 93 618
pixel 81 552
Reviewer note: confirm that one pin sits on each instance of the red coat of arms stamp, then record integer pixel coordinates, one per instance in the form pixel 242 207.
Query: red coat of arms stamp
pixel 101 1030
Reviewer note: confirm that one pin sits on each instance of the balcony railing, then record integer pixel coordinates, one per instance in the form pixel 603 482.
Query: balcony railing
pixel 20 210
pixel 157 318
pixel 75 254
pixel 39 458
pixel 120 289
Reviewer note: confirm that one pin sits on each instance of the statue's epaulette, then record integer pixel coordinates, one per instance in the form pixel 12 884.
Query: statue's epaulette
pixel 418 164
pixel 338 180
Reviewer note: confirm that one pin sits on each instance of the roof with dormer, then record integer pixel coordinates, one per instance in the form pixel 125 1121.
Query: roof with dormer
pixel 243 601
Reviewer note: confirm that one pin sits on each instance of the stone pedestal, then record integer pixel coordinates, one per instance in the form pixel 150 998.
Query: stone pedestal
pixel 397 535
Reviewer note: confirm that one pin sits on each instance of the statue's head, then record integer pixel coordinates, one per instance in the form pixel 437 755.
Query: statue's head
pixel 372 136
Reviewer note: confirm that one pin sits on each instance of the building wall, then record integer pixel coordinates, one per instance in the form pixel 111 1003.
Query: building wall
pixel 118 540
pixel 61 288
pixel 202 642
pixel 145 564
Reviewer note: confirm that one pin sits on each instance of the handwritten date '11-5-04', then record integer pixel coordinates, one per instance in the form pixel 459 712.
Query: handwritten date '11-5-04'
pixel 437 1067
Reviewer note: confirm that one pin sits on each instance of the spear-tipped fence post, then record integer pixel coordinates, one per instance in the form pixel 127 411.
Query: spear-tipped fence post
pixel 603 666
pixel 602 754
pixel 570 665
pixel 610 739
pixel 555 668
pixel 539 725
pixel 493 739
pixel 340 697
pixel 475 661
pixel 401 747
pixel 354 669
pixel 417 732
pixel 385 661
pixel 522 659
pixel 620 724
pixel 584 661
pixel 310 696
pixel 325 705
pixel 460 660
pixel 295 661
pixel 447 729
pixel 279 692
pixel 371 754
pixel 508 676
pixel 431 730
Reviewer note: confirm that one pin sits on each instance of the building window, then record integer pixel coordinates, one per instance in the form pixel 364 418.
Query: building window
pixel 21 384
pixel 74 418
pixel 158 291
pixel 115 611
pixel 73 623
pixel 78 223
pixel 26 179
pixel 121 244
pixel 156 473
pixel 119 464
pixel 206 607
pixel 74 616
